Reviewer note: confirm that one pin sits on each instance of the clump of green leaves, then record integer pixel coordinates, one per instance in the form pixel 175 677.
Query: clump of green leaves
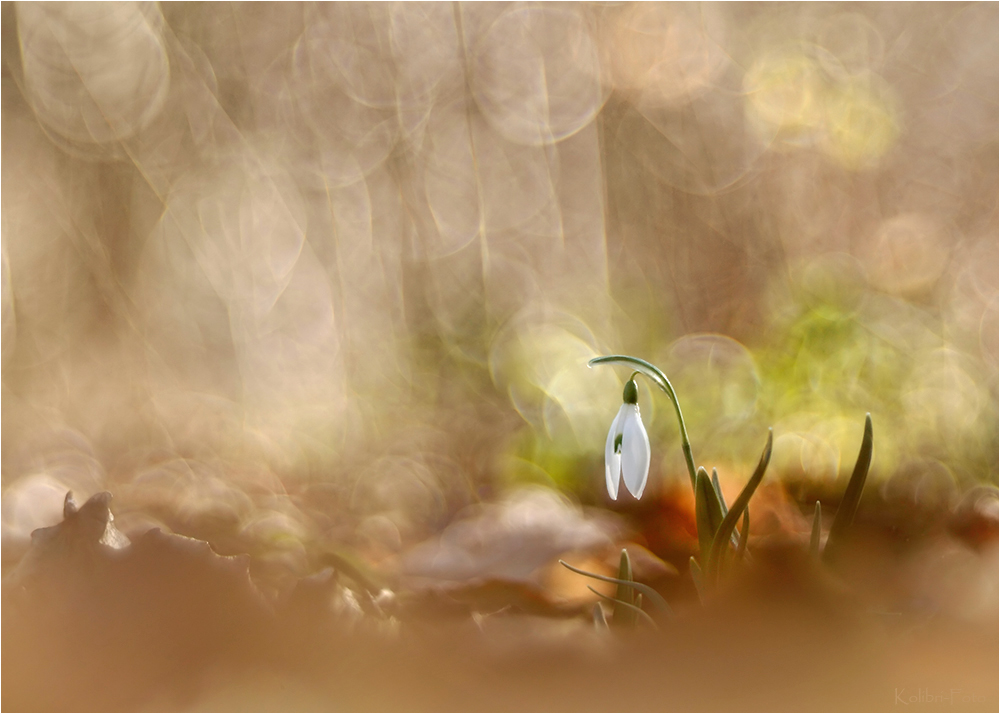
pixel 722 546
pixel 627 604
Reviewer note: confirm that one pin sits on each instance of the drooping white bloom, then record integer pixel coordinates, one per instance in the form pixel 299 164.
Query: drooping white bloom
pixel 626 452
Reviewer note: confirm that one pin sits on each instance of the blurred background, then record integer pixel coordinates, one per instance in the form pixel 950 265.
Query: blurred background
pixel 283 275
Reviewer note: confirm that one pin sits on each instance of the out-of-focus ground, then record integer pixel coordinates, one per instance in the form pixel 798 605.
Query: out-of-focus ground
pixel 318 284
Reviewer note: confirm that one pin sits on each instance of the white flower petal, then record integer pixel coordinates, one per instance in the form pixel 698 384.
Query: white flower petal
pixel 635 452
pixel 612 458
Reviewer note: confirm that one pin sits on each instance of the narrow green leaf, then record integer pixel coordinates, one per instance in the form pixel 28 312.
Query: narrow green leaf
pixel 654 597
pixel 660 379
pixel 623 616
pixel 635 610
pixel 722 501
pixel 739 506
pixel 625 593
pixel 741 549
pixel 708 514
pixel 718 491
pixel 814 537
pixel 852 495
pixel 697 579
pixel 600 622
pixel 728 556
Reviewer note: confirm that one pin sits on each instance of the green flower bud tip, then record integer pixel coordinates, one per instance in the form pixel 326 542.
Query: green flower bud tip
pixel 631 393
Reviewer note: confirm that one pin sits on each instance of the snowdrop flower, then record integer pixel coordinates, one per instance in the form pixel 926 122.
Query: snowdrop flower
pixel 626 452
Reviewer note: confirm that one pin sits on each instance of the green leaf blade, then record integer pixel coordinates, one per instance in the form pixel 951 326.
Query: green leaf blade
pixel 654 597
pixel 708 514
pixel 697 579
pixel 623 616
pixel 852 495
pixel 718 491
pixel 741 548
pixel 739 506
pixel 636 611
pixel 815 535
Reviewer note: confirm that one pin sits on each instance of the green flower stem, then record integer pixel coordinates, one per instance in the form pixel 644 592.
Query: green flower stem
pixel 663 383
